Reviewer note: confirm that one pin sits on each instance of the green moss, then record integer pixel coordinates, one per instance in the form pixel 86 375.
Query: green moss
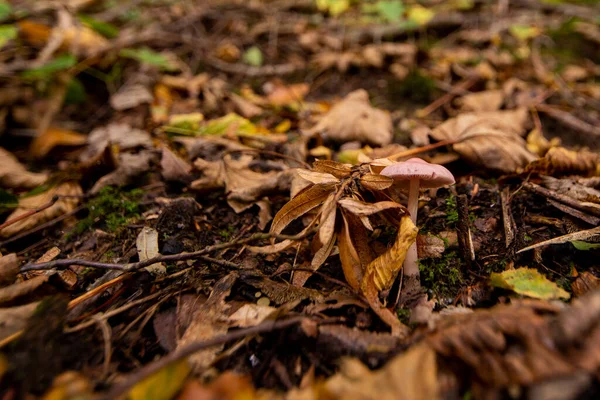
pixel 227 233
pixel 416 87
pixel 451 211
pixel 443 275
pixel 111 209
pixel 403 315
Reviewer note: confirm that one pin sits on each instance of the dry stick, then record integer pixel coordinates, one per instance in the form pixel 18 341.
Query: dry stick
pixel 464 232
pixel 174 257
pixel 42 226
pixel 422 149
pixel 30 213
pixel 561 197
pixel 509 223
pixel 568 119
pixel 460 87
pixel 148 370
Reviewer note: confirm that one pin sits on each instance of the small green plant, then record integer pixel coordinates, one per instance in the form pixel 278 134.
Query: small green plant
pixel 451 211
pixel 443 276
pixel 111 209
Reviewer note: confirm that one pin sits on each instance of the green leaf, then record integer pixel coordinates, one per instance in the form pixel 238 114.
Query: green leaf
pixel 150 57
pixel 524 32
pixel 231 123
pixel 46 71
pixel 253 56
pixel 5 10
pixel 163 385
pixel 7 33
pixel 390 10
pixel 528 282
pixel 75 92
pixel 582 245
pixel 420 15
pixel 104 28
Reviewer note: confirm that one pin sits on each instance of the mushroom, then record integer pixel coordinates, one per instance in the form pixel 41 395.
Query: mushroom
pixel 413 174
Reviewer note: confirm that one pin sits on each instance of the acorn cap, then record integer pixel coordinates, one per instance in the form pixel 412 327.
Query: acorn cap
pixel 429 175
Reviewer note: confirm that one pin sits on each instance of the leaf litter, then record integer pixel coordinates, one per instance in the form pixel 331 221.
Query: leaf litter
pixel 191 192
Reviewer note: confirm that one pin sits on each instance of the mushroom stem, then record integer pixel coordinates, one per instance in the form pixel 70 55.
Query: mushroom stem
pixel 411 269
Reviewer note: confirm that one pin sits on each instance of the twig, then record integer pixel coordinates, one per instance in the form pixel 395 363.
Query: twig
pixel 457 89
pixel 561 197
pixel 148 370
pixel 569 120
pixel 422 149
pixel 30 213
pixel 463 230
pixel 59 264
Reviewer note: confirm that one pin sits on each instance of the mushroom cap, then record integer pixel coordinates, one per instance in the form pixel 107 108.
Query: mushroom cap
pixel 429 175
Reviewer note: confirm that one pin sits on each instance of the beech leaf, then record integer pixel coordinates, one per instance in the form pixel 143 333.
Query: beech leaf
pixel 528 282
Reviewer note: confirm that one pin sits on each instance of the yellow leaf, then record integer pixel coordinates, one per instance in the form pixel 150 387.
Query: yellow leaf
pixel 52 137
pixel 382 271
pixel 528 282
pixel 163 385
pixel 420 15
pixel 355 253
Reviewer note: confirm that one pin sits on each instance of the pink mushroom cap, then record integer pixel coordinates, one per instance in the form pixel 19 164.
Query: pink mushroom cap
pixel 429 175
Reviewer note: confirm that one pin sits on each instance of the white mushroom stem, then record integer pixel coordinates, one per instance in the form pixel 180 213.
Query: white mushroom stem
pixel 410 262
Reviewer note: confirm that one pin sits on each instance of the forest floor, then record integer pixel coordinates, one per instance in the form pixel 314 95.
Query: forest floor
pixel 192 202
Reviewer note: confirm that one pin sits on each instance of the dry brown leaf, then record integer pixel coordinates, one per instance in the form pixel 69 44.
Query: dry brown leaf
pixel 14 319
pixel 488 100
pixel 408 376
pixel 53 137
pixel 131 166
pixel 360 208
pixel 120 135
pixel 250 315
pixel 281 95
pixel 334 168
pixel 13 174
pixel 355 253
pixel 353 118
pixel 489 139
pixel 382 271
pixel 173 168
pixel 585 282
pixel 304 201
pixel 9 269
pixel 147 248
pixel 376 181
pixel 15 291
pixel 562 161
pixel 131 96
pixel 316 177
pixel 192 84
pixel 207 322
pixel 62 206
pixel 227 386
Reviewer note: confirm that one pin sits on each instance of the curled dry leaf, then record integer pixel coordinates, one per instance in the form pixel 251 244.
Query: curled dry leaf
pixel 489 139
pixel 354 119
pixel 361 208
pixel 13 174
pixel 562 161
pixel 316 177
pixel 382 271
pixel 53 137
pixel 334 168
pixel 130 167
pixel 62 206
pixel 120 135
pixel 355 252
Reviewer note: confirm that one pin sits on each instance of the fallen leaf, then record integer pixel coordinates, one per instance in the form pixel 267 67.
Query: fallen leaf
pixel 382 271
pixel 13 174
pixel 408 376
pixel 147 247
pixel 120 135
pixel 334 168
pixel 585 282
pixel 162 103
pixel 14 319
pixel 131 166
pixel 316 177
pixel 173 168
pixel 207 322
pixel 9 268
pixel 26 204
pixel 528 282
pixel 130 96
pixel 69 385
pixel 53 137
pixel 281 95
pixel 361 208
pixel 488 100
pixel 250 315
pixel 355 252
pixel 227 386
pixel 489 139
pixel 162 385
pixel 562 161
pixel 19 290
pixel 353 118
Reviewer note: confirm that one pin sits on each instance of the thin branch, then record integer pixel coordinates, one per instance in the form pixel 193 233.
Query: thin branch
pixel 30 213
pixel 64 263
pixel 148 370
